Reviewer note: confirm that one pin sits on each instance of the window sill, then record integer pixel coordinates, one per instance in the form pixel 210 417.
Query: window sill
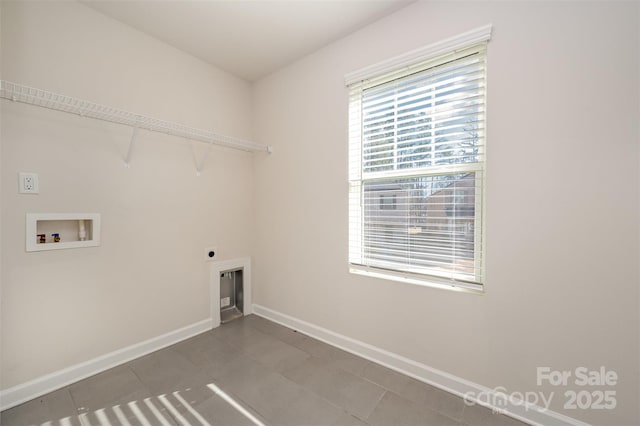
pixel 421 280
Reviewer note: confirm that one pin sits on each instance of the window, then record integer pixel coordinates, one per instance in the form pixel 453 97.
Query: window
pixel 417 166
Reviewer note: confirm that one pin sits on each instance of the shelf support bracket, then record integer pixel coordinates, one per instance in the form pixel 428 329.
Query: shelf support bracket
pixel 127 161
pixel 199 164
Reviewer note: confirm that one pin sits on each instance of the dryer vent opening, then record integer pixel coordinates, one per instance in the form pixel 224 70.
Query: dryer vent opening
pixel 231 295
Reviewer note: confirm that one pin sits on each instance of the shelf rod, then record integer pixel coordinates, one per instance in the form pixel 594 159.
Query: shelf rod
pixel 32 96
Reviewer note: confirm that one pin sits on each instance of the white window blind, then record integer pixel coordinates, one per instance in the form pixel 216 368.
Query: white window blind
pixel 416 170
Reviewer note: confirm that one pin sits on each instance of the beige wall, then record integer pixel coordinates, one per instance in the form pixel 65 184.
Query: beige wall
pixel 562 200
pixel 148 277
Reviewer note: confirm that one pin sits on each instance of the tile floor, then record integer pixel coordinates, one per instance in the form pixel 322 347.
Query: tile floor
pixel 250 371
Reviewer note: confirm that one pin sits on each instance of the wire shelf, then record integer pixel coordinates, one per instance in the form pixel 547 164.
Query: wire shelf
pixel 32 96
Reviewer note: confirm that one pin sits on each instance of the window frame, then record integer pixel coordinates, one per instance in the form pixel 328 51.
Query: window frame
pixel 382 73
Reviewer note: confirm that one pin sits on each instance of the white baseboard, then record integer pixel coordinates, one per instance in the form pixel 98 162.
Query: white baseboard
pixel 42 385
pixel 527 413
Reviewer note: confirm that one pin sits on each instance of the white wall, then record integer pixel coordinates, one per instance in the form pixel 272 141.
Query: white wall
pixel 562 200
pixel 148 277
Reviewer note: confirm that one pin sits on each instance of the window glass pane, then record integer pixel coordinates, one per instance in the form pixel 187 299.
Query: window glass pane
pixel 426 119
pixel 430 226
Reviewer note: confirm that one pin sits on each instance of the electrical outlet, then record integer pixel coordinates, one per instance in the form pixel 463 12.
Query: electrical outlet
pixel 28 183
pixel 225 301
pixel 210 253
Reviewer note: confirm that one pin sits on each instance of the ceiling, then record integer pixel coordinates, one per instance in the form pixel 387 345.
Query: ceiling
pixel 248 38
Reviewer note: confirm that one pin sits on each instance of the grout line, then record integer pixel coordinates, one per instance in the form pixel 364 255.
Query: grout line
pixel 73 400
pixel 377 403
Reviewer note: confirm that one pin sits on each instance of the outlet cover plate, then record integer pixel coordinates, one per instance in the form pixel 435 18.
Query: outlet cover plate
pixel 28 183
